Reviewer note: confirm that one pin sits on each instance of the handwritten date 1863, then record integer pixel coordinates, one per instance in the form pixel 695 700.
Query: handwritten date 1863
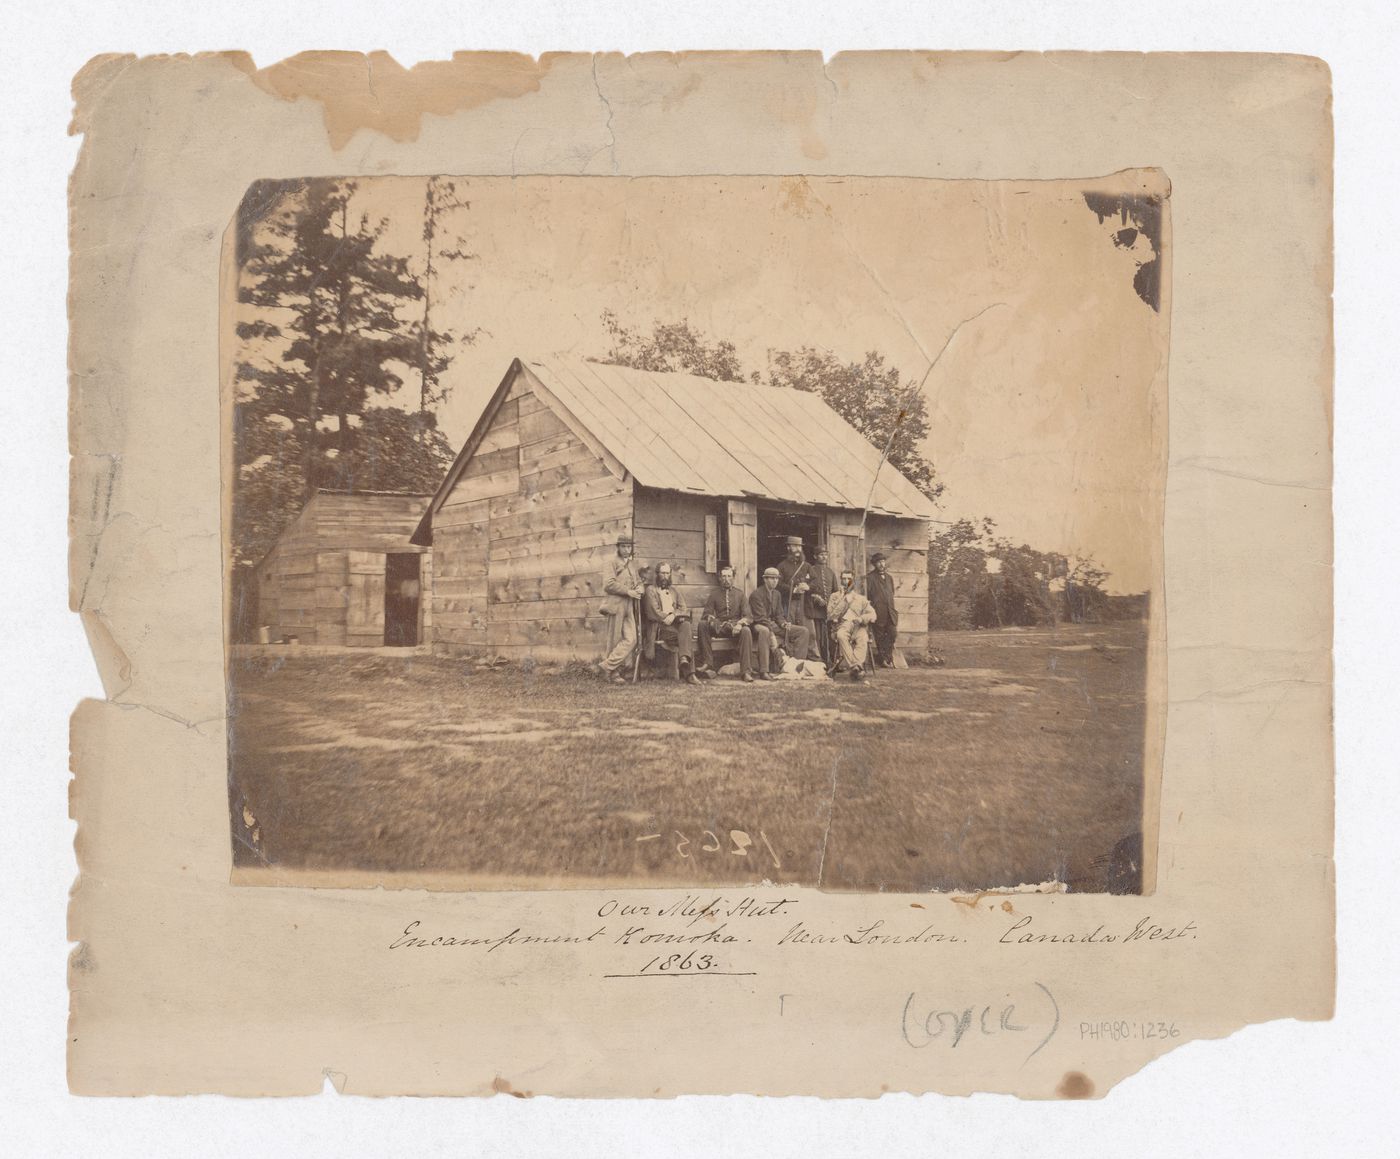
pixel 708 841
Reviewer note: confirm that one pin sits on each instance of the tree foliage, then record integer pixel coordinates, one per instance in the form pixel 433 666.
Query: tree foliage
pixel 673 347
pixel 329 332
pixel 441 203
pixel 872 397
pixel 979 579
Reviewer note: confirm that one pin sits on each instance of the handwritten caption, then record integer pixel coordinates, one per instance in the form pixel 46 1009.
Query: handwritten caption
pixel 718 936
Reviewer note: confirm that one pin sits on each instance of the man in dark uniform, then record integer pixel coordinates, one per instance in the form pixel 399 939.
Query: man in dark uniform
pixel 726 615
pixel 793 574
pixel 771 625
pixel 821 587
pixel 879 590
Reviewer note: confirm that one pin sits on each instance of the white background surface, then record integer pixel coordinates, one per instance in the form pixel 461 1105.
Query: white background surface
pixel 1280 1089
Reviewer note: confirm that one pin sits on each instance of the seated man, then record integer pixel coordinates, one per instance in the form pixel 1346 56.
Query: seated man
pixel 726 615
pixel 771 626
pixel 666 618
pixel 851 614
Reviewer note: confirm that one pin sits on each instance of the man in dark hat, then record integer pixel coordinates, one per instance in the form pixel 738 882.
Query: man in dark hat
pixel 793 574
pixel 821 587
pixel 771 625
pixel 623 592
pixel 879 590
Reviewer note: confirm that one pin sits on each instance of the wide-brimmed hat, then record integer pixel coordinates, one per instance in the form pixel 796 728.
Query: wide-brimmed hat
pixel 878 556
pixel 794 541
pixel 627 539
pixel 773 571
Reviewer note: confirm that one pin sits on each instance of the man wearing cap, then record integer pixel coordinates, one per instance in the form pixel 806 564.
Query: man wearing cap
pixel 879 589
pixel 821 587
pixel 623 589
pixel 666 618
pixel 850 615
pixel 771 625
pixel 726 615
pixel 793 574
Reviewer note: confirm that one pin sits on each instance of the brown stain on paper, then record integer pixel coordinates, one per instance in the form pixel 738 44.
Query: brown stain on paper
pixel 373 91
pixel 503 1087
pixel 1075 1085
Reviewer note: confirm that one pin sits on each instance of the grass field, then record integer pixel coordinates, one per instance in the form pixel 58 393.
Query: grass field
pixel 1019 761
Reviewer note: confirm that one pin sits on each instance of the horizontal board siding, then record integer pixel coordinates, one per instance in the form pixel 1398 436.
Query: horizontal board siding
pixel 656 546
pixel 493 462
pixel 485 486
pixel 669 511
pixel 578 515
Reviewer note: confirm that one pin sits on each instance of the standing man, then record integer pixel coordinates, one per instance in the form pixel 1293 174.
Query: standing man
pixel 793 575
pixel 726 615
pixel 822 586
pixel 666 618
pixel 879 588
pixel 771 625
pixel 623 592
pixel 851 615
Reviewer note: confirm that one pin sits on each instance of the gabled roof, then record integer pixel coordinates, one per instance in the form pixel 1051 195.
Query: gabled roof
pixel 680 432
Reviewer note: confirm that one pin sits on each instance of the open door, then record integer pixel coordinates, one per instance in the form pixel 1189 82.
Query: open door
pixel 402 588
pixel 775 526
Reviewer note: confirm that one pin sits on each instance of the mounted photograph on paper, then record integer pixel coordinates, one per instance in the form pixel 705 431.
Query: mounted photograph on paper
pixel 696 531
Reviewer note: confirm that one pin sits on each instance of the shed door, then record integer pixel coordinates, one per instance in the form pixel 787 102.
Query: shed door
pixel 402 588
pixel 364 615
pixel 743 544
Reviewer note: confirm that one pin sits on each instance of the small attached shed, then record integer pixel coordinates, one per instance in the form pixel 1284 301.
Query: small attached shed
pixel 570 454
pixel 344 572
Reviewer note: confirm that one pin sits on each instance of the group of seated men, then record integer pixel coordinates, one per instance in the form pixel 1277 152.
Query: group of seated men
pixel 801 610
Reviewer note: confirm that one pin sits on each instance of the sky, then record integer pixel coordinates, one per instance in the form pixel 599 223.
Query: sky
pixel 1047 387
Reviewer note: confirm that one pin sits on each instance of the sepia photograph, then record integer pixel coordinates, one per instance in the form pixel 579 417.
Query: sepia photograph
pixel 696 531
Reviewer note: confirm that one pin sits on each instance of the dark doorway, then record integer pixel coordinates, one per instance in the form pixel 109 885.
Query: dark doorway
pixel 401 590
pixel 773 529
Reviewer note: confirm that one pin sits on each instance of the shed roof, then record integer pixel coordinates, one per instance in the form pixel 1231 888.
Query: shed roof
pixel 681 432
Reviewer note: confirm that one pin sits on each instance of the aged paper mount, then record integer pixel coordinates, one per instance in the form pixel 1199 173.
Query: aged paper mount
pixel 188 976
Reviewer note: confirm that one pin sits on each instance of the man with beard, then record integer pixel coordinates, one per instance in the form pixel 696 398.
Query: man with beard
pixel 821 587
pixel 851 615
pixel 771 626
pixel 793 574
pixel 623 590
pixel 726 615
pixel 879 589
pixel 667 619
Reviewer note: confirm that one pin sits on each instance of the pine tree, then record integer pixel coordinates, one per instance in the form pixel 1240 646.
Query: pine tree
pixel 326 319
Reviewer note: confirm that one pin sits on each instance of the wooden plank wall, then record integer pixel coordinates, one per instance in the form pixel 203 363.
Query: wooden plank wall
pixel 670 528
pixel 905 541
pixel 743 543
pixel 521 543
pixel 460 534
pixel 363 612
pixel 288 599
pixel 308 586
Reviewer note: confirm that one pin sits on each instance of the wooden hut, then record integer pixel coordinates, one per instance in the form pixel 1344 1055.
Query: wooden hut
pixel 344 572
pixel 569 454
